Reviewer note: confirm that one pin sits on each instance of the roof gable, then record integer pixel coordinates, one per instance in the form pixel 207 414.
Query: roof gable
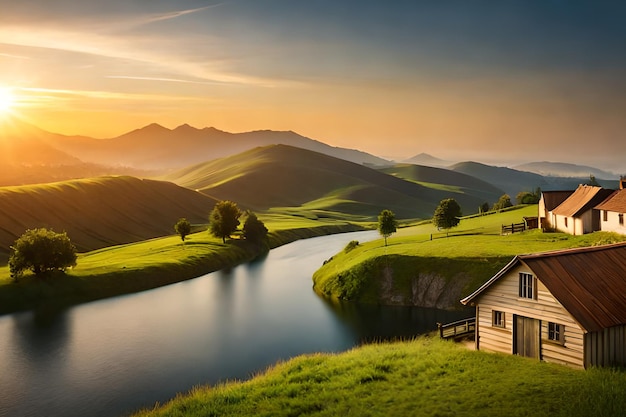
pixel 615 202
pixel 584 198
pixel 552 199
pixel 589 282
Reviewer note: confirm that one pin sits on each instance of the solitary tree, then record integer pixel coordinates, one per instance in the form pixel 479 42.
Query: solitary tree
pixel 254 229
pixel 224 219
pixel 40 251
pixel 484 207
pixel 503 202
pixel 183 228
pixel 447 214
pixel 387 224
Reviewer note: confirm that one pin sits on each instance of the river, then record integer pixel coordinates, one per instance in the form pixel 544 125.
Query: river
pixel 112 357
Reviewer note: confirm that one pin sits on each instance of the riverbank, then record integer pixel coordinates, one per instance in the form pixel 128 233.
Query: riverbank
pixel 149 264
pixel 425 376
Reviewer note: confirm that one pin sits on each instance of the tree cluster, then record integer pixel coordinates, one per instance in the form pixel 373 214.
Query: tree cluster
pixel 527 197
pixel 224 221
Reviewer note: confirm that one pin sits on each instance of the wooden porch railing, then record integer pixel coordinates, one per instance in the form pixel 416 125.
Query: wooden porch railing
pixel 459 328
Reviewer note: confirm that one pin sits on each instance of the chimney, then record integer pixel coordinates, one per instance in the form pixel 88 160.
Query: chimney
pixel 622 182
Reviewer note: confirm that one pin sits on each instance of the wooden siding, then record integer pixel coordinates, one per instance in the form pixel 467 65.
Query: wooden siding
pixel 503 296
pixel 606 347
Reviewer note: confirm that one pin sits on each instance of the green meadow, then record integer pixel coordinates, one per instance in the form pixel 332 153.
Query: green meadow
pixel 463 257
pixel 133 267
pixel 422 377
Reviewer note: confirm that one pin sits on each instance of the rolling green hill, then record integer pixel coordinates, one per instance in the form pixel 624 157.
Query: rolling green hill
pixel 283 177
pixel 99 212
pixel 446 179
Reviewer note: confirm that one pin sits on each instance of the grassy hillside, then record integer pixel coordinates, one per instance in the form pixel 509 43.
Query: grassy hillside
pixel 446 179
pixel 424 377
pixel 415 270
pixel 99 212
pixel 284 177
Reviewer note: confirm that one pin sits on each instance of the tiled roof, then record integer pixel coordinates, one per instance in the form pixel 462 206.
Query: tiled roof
pixel 616 202
pixel 584 198
pixel 589 282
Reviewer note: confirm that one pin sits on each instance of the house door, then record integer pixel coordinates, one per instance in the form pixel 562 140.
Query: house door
pixel 526 333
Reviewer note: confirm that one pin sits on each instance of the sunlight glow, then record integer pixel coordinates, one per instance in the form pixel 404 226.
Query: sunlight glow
pixel 7 99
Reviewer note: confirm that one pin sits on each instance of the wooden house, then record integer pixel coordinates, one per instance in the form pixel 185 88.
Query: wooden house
pixel 566 306
pixel 549 201
pixel 577 214
pixel 612 211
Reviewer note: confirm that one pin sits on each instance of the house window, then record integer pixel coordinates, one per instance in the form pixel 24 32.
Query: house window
pixel 566 222
pixel 497 318
pixel 556 332
pixel 605 216
pixel 621 219
pixel 526 286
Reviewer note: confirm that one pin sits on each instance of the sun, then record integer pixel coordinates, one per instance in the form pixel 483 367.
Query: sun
pixel 7 99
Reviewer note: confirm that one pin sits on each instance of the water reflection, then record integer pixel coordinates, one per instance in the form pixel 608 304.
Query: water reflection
pixel 375 323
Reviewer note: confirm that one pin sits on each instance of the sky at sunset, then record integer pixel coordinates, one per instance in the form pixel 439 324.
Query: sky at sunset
pixel 494 81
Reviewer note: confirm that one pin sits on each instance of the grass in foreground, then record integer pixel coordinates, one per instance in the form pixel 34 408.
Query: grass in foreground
pixel 424 377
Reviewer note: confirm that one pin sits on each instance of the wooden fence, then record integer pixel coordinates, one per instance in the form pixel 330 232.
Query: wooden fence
pixel 461 328
pixel 513 228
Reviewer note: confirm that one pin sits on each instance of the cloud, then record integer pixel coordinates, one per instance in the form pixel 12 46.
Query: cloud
pixel 171 80
pixel 175 14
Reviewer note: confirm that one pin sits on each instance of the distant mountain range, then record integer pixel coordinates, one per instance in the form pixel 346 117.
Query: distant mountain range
pixel 155 147
pixel 560 169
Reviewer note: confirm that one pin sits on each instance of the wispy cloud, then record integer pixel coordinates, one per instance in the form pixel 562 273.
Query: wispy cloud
pixel 14 56
pixel 159 79
pixel 175 14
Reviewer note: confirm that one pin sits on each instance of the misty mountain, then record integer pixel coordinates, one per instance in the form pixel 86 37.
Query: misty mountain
pixel 510 180
pixel 513 181
pixel 155 147
pixel 561 169
pixel 428 160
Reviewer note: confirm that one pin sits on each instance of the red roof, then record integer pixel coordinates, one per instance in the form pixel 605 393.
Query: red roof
pixel 616 202
pixel 589 282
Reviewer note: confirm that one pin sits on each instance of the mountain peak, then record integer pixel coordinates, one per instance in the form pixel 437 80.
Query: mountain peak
pixel 152 127
pixel 185 128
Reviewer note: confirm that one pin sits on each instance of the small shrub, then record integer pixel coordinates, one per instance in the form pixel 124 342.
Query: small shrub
pixel 351 245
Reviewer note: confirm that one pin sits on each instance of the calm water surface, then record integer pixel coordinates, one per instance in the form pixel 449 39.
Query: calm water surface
pixel 112 357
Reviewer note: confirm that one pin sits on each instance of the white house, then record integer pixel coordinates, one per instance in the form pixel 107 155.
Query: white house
pixel 612 211
pixel 577 215
pixel 549 201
